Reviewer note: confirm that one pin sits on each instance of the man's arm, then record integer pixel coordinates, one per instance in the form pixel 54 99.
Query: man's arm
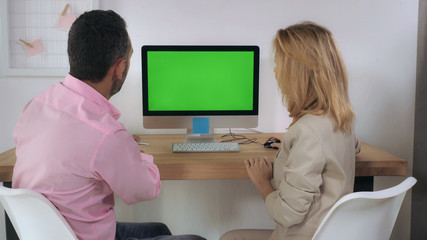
pixel 132 175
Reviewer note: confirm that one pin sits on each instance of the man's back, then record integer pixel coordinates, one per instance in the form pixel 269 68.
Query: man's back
pixel 71 149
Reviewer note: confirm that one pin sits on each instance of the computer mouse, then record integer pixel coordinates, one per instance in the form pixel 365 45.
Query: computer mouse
pixel 271 141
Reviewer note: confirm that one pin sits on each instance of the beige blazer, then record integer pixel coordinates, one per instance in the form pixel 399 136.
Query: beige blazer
pixel 314 168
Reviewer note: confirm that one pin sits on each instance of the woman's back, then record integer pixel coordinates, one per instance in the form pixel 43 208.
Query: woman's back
pixel 313 169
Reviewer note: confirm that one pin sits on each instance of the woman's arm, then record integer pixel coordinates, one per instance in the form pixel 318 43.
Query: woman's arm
pixel 300 178
pixel 260 171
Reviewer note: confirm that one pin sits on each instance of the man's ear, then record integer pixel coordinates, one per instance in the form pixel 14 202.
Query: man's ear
pixel 120 68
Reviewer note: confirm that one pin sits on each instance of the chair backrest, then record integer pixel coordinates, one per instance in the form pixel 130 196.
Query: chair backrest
pixel 33 216
pixel 364 215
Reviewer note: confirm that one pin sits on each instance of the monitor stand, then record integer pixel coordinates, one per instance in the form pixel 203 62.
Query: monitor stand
pixel 199 137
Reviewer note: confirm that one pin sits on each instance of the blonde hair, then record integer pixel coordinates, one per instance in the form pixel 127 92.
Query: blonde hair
pixel 311 75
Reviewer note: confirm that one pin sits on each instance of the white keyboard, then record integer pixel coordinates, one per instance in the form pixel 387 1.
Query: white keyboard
pixel 205 147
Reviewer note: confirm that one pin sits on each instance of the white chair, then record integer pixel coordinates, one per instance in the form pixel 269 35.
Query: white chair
pixel 33 216
pixel 364 215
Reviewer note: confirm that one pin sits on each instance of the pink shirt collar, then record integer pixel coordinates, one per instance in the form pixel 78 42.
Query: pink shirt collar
pixel 90 93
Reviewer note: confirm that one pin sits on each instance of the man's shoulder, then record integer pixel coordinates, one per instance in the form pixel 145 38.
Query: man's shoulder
pixel 63 100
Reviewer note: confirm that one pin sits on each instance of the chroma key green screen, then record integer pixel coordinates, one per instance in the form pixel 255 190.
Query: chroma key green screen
pixel 200 80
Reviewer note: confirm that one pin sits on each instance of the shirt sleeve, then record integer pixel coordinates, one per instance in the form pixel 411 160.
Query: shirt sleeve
pixel 132 175
pixel 303 168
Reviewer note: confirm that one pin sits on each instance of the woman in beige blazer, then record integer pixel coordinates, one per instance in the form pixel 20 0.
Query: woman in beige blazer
pixel 316 162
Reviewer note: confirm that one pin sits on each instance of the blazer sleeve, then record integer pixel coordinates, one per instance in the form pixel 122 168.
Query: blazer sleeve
pixel 303 169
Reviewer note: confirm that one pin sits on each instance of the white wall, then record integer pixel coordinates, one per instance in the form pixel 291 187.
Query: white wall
pixel 378 42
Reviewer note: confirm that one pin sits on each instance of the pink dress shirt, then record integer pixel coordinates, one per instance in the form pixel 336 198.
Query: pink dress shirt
pixel 70 148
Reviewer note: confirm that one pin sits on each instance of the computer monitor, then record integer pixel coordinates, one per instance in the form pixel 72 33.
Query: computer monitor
pixel 181 83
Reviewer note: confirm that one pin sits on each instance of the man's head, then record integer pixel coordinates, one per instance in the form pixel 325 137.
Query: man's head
pixel 97 40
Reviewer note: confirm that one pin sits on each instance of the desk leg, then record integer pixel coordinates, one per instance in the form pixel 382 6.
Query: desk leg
pixel 10 231
pixel 364 184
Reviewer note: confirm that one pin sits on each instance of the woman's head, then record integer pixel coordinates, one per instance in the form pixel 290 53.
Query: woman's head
pixel 311 75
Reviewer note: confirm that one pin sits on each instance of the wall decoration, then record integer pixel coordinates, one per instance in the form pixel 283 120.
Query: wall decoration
pixel 34 35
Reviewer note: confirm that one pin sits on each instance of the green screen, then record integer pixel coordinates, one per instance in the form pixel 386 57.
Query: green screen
pixel 200 80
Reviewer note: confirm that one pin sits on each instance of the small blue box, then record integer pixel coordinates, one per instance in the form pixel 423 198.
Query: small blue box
pixel 201 125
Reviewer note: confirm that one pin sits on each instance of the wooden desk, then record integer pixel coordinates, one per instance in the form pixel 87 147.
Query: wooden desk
pixel 7 161
pixel 371 161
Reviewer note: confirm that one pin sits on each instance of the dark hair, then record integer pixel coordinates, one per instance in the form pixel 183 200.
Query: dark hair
pixel 96 40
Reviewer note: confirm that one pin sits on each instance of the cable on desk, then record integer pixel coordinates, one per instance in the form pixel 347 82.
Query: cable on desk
pixel 241 139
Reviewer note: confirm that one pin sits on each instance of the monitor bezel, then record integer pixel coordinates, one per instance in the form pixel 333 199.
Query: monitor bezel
pixel 246 48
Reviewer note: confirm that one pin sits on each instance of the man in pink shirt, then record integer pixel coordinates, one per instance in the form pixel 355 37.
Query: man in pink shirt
pixel 70 146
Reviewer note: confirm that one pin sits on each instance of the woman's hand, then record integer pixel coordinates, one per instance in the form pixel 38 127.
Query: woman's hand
pixel 260 171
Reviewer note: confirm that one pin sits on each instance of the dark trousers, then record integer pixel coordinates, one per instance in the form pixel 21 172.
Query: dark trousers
pixel 149 231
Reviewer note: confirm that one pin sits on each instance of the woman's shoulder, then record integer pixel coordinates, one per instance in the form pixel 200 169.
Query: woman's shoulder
pixel 316 122
pixel 321 126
